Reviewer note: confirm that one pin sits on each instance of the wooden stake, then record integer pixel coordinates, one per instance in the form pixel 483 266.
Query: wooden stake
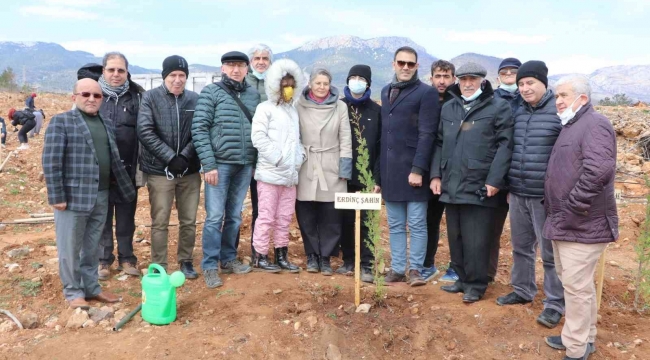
pixel 357 259
pixel 41 215
pixel 600 278
pixel 7 159
pixel 37 220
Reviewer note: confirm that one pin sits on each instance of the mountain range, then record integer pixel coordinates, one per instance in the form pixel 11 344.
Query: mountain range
pixel 51 67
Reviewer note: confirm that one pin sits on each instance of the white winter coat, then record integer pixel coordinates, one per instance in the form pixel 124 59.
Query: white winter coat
pixel 276 129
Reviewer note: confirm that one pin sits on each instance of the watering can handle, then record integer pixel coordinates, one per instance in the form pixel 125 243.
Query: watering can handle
pixel 160 269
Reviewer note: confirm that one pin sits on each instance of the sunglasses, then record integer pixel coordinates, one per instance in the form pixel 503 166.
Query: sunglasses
pixel 410 64
pixel 87 95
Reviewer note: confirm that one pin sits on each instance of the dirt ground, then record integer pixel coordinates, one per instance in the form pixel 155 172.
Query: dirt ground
pixel 248 318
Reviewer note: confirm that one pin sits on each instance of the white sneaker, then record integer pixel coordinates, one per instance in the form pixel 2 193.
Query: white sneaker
pixel 23 146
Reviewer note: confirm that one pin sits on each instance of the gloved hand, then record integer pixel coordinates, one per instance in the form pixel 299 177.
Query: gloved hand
pixel 177 165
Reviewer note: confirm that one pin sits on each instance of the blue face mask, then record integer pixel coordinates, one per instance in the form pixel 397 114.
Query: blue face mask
pixel 260 76
pixel 473 97
pixel 357 87
pixel 509 88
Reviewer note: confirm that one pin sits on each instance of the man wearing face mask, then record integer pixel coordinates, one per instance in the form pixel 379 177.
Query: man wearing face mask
pixel 170 162
pixel 365 116
pixel 536 129
pixel 470 162
pixel 507 89
pixel 581 209
pixel 221 131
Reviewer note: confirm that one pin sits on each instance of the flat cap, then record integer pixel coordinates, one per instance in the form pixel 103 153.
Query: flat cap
pixel 471 69
pixel 234 56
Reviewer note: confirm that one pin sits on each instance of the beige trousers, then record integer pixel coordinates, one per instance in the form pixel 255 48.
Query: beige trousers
pixel 575 264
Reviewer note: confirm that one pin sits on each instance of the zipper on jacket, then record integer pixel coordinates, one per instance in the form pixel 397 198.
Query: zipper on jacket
pixel 178 127
pixel 243 130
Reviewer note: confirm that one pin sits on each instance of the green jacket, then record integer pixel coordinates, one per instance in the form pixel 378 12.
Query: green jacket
pixel 221 133
pixel 258 85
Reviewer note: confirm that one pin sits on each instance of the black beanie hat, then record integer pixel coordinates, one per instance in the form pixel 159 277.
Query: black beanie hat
pixel 360 70
pixel 510 62
pixel 235 56
pixel 173 63
pixel 533 68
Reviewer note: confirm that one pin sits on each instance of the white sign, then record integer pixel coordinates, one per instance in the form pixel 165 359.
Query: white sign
pixel 357 201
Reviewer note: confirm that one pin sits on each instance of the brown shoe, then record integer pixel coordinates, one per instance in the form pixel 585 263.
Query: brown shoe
pixel 393 277
pixel 79 303
pixel 130 269
pixel 104 272
pixel 415 279
pixel 106 297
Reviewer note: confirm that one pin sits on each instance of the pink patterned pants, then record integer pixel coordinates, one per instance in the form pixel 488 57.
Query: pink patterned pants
pixel 276 205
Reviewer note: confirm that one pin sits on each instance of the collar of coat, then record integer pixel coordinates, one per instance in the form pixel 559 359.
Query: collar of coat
pixel 582 111
pixel 548 95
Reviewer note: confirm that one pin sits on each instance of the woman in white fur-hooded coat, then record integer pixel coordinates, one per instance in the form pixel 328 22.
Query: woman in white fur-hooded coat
pixel 276 129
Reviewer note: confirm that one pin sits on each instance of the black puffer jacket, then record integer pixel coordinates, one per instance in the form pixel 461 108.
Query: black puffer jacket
pixel 164 129
pixel 20 117
pixel 473 148
pixel 123 118
pixel 536 130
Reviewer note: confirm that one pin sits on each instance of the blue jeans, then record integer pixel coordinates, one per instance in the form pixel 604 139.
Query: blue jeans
pixel 415 213
pixel 223 204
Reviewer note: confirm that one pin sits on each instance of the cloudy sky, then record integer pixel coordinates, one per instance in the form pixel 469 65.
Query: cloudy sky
pixel 570 35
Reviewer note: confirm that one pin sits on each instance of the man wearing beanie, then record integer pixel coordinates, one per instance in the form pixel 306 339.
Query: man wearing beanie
pixel 506 79
pixel 537 126
pixel 221 132
pixel 410 113
pixel 365 116
pixel 169 162
pixel 470 162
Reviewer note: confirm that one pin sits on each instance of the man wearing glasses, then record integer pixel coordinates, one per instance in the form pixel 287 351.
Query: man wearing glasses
pixel 120 111
pixel 80 162
pixel 221 131
pixel 508 89
pixel 410 113
pixel 470 162
pixel 170 163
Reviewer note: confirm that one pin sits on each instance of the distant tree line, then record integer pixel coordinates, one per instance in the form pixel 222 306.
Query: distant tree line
pixel 8 80
pixel 616 100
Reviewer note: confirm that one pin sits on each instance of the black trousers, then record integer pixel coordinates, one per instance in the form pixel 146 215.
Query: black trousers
pixel 254 214
pixel 321 226
pixel 434 216
pixel 500 215
pixel 348 235
pixel 124 229
pixel 470 229
pixel 27 127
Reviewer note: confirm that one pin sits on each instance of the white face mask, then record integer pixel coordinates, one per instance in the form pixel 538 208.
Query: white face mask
pixel 568 113
pixel 473 97
pixel 509 88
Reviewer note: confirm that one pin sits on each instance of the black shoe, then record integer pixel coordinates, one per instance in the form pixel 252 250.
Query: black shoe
pixel 556 343
pixel 549 318
pixel 366 275
pixel 471 298
pixel 346 269
pixel 394 277
pixel 415 279
pixel 325 267
pixel 282 260
pixel 511 299
pixel 261 262
pixel 188 270
pixel 454 288
pixel 313 263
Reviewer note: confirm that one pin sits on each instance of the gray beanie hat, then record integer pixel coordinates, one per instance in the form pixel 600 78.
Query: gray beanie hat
pixel 471 69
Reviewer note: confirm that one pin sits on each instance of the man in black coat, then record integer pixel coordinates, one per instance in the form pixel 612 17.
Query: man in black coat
pixel 537 126
pixel 471 159
pixel 410 113
pixel 365 118
pixel 119 109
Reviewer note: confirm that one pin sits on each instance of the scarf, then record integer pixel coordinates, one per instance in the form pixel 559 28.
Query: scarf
pixel 353 100
pixel 232 84
pixel 397 86
pixel 113 91
pixel 317 100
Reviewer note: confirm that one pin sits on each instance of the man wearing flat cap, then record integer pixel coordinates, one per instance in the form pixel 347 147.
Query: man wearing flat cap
pixel 170 163
pixel 221 131
pixel 471 159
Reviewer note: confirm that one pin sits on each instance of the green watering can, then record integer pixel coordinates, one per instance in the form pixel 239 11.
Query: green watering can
pixel 159 295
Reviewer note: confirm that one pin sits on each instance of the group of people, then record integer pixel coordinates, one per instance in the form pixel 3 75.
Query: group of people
pixel 29 119
pixel 458 147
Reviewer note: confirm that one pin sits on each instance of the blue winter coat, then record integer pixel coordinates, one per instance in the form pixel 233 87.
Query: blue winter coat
pixel 408 131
